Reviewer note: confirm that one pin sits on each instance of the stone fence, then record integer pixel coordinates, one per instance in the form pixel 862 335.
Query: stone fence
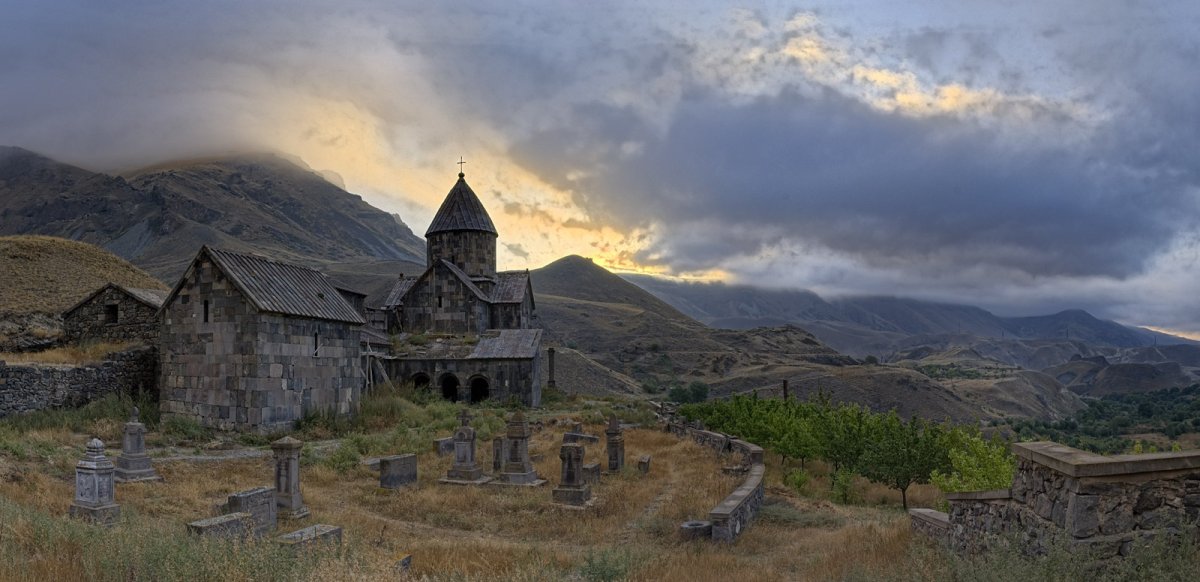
pixel 30 387
pixel 736 511
pixel 1107 504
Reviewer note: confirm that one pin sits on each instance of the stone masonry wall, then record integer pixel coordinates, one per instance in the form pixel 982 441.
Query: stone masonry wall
pixel 136 321
pixel 473 252
pixel 246 370
pixel 1106 504
pixel 441 303
pixel 30 387
pixel 506 378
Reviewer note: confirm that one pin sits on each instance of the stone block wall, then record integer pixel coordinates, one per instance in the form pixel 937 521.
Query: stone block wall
pixel 506 378
pixel 441 303
pixel 473 252
pixel 730 517
pixel 242 369
pixel 30 387
pixel 1103 503
pixel 135 321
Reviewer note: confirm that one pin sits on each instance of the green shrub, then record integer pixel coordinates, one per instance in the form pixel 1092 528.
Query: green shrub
pixel 797 480
pixel 606 566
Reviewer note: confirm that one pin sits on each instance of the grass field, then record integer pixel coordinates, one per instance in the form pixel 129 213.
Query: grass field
pixel 457 533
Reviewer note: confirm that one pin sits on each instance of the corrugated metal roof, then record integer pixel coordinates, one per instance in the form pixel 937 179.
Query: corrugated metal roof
pixel 284 288
pixel 508 344
pixel 461 210
pixel 399 288
pixel 510 287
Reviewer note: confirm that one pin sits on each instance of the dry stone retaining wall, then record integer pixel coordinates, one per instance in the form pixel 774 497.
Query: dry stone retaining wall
pixel 30 387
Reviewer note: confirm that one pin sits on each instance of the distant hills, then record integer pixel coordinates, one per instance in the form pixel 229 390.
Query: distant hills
pixel 881 325
pixel 159 217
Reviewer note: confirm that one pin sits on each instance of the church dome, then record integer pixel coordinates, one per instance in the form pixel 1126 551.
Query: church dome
pixel 461 210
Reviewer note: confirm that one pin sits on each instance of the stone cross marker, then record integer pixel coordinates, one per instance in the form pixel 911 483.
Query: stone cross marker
pixel 518 468
pixel 497 454
pixel 134 464
pixel 615 445
pixel 287 478
pixel 94 495
pixel 572 489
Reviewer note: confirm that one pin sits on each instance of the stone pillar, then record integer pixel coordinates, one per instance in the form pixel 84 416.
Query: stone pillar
pixel 550 368
pixel 287 478
pixel 615 445
pixel 785 390
pixel 134 464
pixel 497 454
pixel 94 495
pixel 572 489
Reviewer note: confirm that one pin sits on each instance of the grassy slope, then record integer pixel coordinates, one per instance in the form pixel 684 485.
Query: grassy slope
pixel 48 275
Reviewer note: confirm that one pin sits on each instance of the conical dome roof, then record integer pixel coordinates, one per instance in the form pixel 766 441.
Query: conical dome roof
pixel 461 210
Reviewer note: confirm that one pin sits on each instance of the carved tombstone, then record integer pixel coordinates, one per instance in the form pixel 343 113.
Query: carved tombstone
pixel 615 445
pixel 466 469
pixel 518 468
pixel 397 471
pixel 572 489
pixel 94 498
pixel 497 454
pixel 134 464
pixel 287 478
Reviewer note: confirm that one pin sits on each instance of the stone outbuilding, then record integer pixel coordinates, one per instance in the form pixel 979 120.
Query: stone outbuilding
pixel 116 314
pixel 464 329
pixel 255 344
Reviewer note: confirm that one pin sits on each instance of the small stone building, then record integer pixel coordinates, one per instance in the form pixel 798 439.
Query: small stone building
pixel 116 314
pixel 254 344
pixel 474 324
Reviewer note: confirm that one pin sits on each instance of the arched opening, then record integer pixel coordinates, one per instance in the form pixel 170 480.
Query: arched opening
pixel 480 390
pixel 420 381
pixel 450 387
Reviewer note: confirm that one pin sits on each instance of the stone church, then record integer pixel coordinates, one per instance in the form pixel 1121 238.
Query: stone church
pixel 463 328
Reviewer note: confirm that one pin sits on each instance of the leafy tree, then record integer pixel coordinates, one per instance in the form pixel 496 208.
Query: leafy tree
pixel 899 454
pixel 975 464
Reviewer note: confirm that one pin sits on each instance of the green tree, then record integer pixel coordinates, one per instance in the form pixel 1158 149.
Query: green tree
pixel 975 464
pixel 898 454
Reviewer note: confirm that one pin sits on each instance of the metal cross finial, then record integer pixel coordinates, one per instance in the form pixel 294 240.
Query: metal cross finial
pixel 460 166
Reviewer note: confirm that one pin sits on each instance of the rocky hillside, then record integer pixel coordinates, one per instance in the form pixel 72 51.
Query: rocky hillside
pixel 159 217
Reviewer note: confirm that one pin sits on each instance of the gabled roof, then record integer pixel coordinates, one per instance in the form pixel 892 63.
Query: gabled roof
pixel 461 210
pixel 511 287
pixel 152 298
pixel 508 344
pixel 276 287
pixel 399 289
pixel 465 280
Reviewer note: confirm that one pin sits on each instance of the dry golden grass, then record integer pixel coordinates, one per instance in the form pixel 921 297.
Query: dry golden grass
pixel 76 355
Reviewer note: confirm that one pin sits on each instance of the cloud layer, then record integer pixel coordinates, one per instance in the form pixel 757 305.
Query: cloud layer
pixel 1025 159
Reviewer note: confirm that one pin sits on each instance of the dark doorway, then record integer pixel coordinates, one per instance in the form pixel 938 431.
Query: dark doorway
pixel 420 380
pixel 450 387
pixel 479 389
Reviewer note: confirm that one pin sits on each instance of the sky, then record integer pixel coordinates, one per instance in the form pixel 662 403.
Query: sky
pixel 1023 156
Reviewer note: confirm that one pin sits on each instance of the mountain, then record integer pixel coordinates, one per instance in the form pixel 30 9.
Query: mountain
pixel 590 311
pixel 157 218
pixel 881 325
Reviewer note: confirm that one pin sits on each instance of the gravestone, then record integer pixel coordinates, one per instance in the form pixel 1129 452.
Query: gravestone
pixel 517 468
pixel 397 471
pixel 466 469
pixel 259 503
pixel 134 464
pixel 287 478
pixel 311 537
pixel 497 455
pixel 230 525
pixel 443 446
pixel 591 473
pixel 577 435
pixel 644 464
pixel 572 488
pixel 614 445
pixel 403 563
pixel 94 496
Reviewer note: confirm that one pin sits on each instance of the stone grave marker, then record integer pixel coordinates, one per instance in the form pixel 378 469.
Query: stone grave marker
pixel 260 504
pixel 310 537
pixel 443 446
pixel 287 478
pixel 397 471
pixel 572 489
pixel 591 473
pixel 133 464
pixel 230 525
pixel 497 455
pixel 615 445
pixel 94 495
pixel 644 464
pixel 465 470
pixel 517 468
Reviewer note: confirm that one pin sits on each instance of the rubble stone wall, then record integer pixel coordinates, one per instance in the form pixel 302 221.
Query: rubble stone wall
pixel 30 387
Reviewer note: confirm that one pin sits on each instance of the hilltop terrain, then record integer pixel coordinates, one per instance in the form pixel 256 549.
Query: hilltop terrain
pixel 157 218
